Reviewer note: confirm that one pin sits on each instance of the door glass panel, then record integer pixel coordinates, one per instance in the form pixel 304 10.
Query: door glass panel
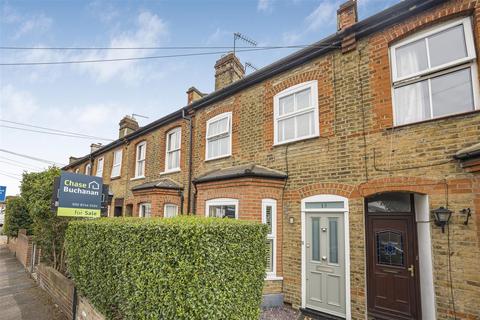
pixel 324 205
pixel 333 240
pixel 316 239
pixel 389 202
pixel 390 248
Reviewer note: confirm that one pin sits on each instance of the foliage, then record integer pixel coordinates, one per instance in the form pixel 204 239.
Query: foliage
pixel 48 229
pixel 178 268
pixel 16 217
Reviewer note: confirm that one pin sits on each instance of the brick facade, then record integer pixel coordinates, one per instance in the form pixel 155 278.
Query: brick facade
pixel 358 153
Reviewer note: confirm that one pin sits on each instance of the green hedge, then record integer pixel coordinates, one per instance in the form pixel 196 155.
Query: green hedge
pixel 180 268
pixel 16 217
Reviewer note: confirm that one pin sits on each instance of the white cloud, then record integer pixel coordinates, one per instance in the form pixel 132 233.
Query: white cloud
pixel 103 11
pixel 25 23
pixel 217 36
pixel 324 14
pixel 150 31
pixel 265 5
pixel 16 104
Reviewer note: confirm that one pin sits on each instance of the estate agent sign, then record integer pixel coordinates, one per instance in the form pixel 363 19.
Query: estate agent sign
pixel 3 193
pixel 79 195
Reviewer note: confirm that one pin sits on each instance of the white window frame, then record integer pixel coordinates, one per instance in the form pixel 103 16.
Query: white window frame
pixel 117 165
pixel 168 152
pixel 77 170
pixel 170 205
pixel 313 86
pixel 467 62
pixel 227 115
pixel 137 160
pixel 100 165
pixel 141 209
pixel 221 202
pixel 88 169
pixel 272 236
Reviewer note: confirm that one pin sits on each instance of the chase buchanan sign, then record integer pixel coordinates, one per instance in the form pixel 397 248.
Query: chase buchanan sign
pixel 79 195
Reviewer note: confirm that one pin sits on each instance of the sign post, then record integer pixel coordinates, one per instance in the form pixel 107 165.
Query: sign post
pixel 79 195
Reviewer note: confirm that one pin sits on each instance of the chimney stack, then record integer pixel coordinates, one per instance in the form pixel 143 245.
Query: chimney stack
pixel 72 159
pixel 228 69
pixel 347 15
pixel 194 94
pixel 127 125
pixel 94 147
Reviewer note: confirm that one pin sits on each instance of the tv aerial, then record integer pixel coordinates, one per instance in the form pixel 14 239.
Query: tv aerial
pixel 238 36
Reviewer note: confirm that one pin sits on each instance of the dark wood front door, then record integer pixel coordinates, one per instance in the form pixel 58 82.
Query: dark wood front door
pixel 392 278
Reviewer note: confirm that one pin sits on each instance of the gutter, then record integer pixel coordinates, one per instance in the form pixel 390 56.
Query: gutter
pixel 467 155
pixel 361 29
pixel 238 176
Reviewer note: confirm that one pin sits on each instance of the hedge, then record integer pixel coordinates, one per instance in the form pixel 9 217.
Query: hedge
pixel 16 217
pixel 178 268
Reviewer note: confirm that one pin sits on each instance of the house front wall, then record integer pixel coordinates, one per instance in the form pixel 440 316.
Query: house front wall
pixel 359 153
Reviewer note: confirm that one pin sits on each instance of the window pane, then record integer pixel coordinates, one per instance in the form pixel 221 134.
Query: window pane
pixel 304 125
pixel 268 218
pixel 286 129
pixel 316 239
pixel 452 93
pixel 333 240
pixel 270 255
pixel 303 99
pixel 389 248
pixel 140 167
pixel 412 103
pixel 223 145
pixel 218 127
pixel 446 46
pixel 221 211
pixel 286 105
pixel 411 58
pixel 324 205
pixel 170 210
pixel 390 202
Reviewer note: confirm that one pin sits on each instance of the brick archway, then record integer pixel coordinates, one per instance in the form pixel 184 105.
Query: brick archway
pixel 407 184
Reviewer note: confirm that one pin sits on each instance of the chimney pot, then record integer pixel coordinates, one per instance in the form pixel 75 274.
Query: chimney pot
pixel 127 125
pixel 347 15
pixel 228 69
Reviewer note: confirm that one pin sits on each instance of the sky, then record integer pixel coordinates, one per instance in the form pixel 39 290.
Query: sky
pixel 91 98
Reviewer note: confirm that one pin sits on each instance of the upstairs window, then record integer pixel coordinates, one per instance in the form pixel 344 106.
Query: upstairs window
pixel 296 113
pixel 77 170
pixel 434 73
pixel 219 136
pixel 269 217
pixel 172 159
pixel 222 208
pixel 170 210
pixel 140 160
pixel 99 167
pixel 117 163
pixel 145 210
pixel 88 169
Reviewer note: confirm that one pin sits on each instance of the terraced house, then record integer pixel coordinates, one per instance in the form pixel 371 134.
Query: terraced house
pixel 361 152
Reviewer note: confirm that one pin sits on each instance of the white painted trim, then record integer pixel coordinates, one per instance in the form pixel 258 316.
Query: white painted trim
pixel 143 205
pixel 221 202
pixel 216 118
pixel 170 132
pixel 88 169
pixel 427 75
pixel 313 85
pixel 345 211
pixel 99 173
pixel 171 205
pixel 118 165
pixel 143 143
pixel 273 204
pixel 424 239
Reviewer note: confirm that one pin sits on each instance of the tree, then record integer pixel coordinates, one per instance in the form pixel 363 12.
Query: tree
pixel 48 229
pixel 16 217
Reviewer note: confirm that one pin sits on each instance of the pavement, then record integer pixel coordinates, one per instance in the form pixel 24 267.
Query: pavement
pixel 20 297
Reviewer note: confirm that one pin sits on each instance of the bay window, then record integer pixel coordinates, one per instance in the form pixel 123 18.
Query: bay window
pixel 296 113
pixel 434 73
pixel 145 210
pixel 170 210
pixel 219 136
pixel 269 215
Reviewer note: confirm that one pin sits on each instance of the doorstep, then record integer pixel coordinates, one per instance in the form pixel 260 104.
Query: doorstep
pixel 317 315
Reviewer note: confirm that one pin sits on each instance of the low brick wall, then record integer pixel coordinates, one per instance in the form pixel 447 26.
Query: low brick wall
pixel 22 247
pixel 59 287
pixel 85 311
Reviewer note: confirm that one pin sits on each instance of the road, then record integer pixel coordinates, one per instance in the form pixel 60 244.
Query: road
pixel 20 298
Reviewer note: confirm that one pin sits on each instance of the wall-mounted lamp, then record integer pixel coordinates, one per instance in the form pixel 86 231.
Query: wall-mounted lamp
pixel 468 213
pixel 442 217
